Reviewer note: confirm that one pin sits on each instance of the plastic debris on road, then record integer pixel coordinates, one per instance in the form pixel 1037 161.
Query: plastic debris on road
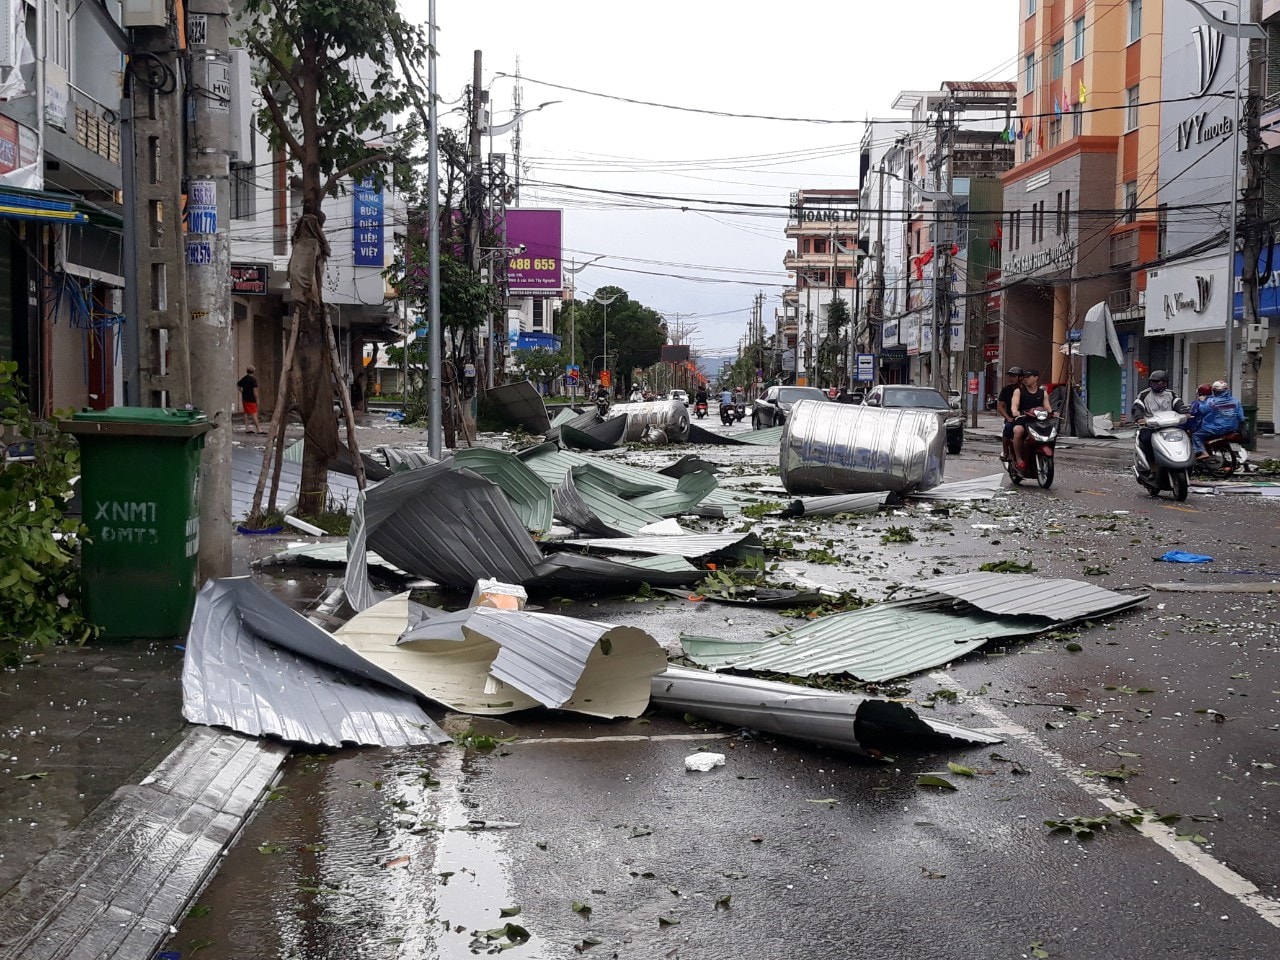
pixel 1181 556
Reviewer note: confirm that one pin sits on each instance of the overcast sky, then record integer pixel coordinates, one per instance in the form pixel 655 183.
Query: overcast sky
pixel 844 61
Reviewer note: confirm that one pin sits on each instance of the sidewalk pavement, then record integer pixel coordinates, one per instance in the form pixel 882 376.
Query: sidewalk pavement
pixel 113 809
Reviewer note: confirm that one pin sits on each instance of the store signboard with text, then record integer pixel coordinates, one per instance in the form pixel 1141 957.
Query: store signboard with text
pixel 533 239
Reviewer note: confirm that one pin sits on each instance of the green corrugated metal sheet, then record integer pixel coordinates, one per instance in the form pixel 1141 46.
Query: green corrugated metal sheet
pixel 691 489
pixel 598 493
pixel 529 495
pixel 876 643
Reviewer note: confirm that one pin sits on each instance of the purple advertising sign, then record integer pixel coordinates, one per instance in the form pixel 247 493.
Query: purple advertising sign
pixel 536 268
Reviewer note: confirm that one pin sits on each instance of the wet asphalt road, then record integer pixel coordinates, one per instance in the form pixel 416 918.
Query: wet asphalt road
pixel 595 833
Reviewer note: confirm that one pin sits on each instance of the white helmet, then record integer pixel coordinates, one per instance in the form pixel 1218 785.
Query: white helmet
pixel 1220 387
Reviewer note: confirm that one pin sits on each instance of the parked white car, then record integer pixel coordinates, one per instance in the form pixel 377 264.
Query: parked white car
pixel 680 395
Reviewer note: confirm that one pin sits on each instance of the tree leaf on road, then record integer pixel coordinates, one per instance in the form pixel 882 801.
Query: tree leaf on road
pixel 582 908
pixel 933 780
pixel 960 770
pixel 722 903
pixel 31 776
pixel 509 911
pixel 667 921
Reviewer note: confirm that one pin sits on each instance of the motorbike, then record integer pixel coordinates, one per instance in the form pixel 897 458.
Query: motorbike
pixel 726 413
pixel 602 406
pixel 1227 457
pixel 1171 455
pixel 700 409
pixel 1041 439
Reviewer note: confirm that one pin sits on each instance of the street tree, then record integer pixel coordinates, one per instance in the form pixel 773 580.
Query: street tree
pixel 540 365
pixel 327 78
pixel 636 333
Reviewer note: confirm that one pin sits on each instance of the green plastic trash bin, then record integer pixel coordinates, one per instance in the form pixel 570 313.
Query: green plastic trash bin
pixel 140 495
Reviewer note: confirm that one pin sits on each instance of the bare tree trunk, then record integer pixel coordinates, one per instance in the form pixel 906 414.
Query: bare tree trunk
pixel 279 420
pixel 352 444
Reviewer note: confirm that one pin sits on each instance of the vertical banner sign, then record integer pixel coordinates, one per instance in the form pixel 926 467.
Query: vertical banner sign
pixel 368 225
pixel 533 237
pixel 202 206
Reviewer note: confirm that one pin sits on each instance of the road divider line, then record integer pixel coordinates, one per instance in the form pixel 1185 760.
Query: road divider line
pixel 1211 869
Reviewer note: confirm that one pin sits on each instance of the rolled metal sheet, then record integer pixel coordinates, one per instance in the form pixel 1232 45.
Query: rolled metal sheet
pixel 672 416
pixel 830 448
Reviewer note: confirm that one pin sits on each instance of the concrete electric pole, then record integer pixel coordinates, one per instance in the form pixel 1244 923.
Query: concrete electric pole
pixel 208 269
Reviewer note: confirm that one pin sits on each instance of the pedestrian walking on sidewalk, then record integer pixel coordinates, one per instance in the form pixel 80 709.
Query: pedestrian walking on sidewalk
pixel 248 385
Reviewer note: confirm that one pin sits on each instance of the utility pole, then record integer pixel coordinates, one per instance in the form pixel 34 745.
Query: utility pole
pixel 1255 173
pixel 208 269
pixel 475 195
pixel 157 358
pixel 877 310
pixel 941 259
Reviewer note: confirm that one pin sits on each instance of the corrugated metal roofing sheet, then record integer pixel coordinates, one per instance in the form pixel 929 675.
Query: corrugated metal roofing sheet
pixel 521 403
pixel 979 488
pixel 834 505
pixel 256 666
pixel 246 464
pixel 1011 594
pixel 584 502
pixel 902 637
pixel 594 668
pixel 691 489
pixel 740 545
pixel 876 643
pixel 589 432
pixel 529 495
pixel 552 465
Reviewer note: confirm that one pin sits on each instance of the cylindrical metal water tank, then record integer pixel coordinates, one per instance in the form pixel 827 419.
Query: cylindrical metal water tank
pixel 847 448
pixel 671 415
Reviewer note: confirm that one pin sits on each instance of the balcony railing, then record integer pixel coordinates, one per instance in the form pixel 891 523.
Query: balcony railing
pixel 93 130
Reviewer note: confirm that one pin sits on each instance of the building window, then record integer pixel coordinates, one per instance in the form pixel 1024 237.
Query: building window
pixel 1031 7
pixel 1135 20
pixel 818 246
pixel 1131 108
pixel 1162 230
pixel 1056 56
pixel 1077 119
pixel 58 28
pixel 1077 40
pixel 1030 79
pixel 1055 132
pixel 842 278
pixel 242 191
pixel 539 313
pixel 1026 148
pixel 1066 214
pixel 1131 201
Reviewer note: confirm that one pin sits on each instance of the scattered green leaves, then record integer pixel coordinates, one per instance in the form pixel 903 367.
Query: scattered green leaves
pixel 268 849
pixel 1007 566
pixel 898 535
pixel 935 781
pixel 473 740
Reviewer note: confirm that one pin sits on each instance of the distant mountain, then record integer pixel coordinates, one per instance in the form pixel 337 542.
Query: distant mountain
pixel 712 365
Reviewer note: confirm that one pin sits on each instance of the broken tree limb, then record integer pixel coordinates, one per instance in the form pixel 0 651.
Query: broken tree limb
pixel 275 430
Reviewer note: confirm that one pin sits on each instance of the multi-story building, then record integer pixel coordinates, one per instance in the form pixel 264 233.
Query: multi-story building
pixel 1081 201
pixel 824 226
pixel 940 181
pixel 60 182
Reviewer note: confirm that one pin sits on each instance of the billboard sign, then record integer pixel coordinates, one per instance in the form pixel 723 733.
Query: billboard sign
pixel 250 279
pixel 536 267
pixel 367 210
pixel 866 367
pixel 674 353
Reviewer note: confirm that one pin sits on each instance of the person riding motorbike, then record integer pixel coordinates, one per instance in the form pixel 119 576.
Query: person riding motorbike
pixel 1028 397
pixel 1002 408
pixel 700 395
pixel 636 395
pixel 1220 414
pixel 1157 398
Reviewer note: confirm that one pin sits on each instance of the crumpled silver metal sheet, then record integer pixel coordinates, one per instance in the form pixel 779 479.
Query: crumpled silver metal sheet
pixel 258 667
pixel 521 403
pixel 847 721
pixel 670 416
pixel 589 432
pixel 739 545
pixel 599 669
pixel 979 488
pixel 1020 594
pixel 451 526
pixel 848 448
pixel 400 459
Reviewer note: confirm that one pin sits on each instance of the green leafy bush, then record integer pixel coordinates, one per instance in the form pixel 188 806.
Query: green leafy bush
pixel 39 576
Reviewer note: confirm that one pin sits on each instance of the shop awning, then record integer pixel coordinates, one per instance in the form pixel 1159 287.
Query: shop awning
pixel 16 204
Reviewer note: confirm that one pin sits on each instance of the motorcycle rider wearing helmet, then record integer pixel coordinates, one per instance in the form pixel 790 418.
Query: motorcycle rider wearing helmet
pixel 1220 414
pixel 1157 398
pixel 1028 397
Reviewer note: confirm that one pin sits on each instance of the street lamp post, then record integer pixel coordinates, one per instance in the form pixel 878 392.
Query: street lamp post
pixel 604 302
pixel 573 272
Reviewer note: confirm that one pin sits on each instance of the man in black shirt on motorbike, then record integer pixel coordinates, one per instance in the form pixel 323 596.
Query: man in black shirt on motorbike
pixel 1002 407
pixel 1027 398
